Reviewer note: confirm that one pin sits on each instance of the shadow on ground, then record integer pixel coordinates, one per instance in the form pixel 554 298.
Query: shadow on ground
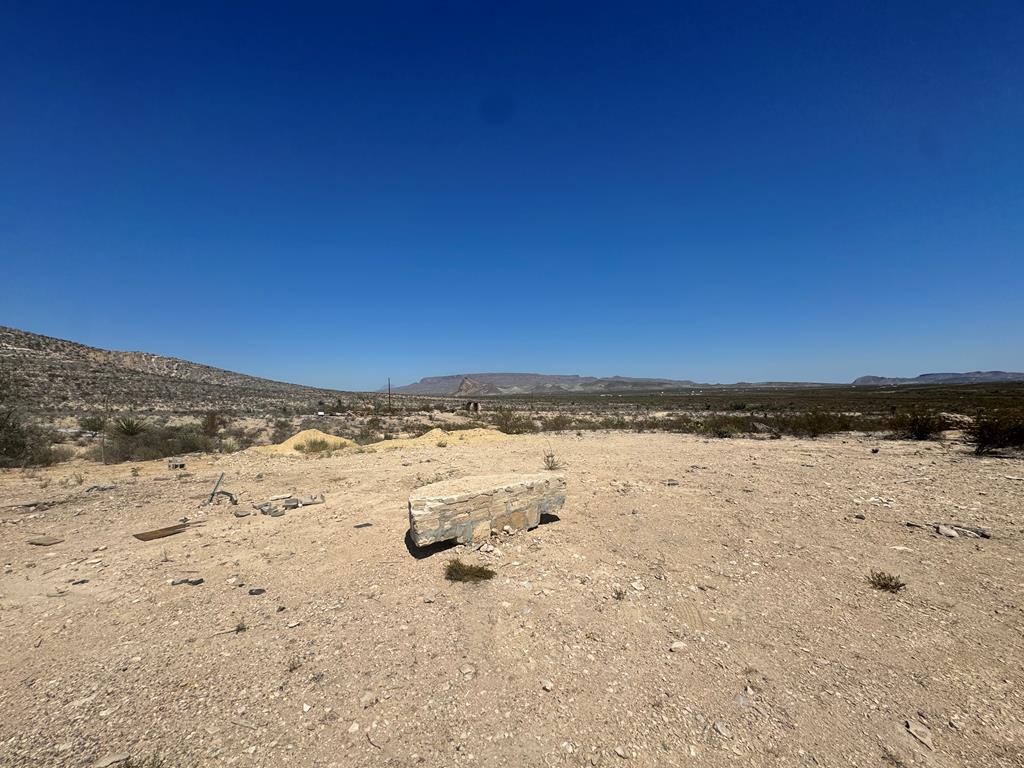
pixel 432 549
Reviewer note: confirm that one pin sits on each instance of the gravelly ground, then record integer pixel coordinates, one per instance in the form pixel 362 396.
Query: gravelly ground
pixel 359 654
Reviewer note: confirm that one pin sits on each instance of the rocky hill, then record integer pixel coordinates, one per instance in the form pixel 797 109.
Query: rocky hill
pixel 972 377
pixel 58 375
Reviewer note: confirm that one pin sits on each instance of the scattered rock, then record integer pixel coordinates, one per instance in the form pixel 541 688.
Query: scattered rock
pixel 354 728
pixel 677 646
pixel 110 760
pixel 547 685
pixel 44 541
pixel 257 591
pixel 945 530
pixel 722 729
pixel 920 732
pixel 622 753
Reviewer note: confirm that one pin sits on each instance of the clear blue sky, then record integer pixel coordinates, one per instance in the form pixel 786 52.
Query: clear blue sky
pixel 336 193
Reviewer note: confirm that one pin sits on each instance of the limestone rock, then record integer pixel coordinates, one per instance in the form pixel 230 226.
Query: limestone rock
pixel 470 508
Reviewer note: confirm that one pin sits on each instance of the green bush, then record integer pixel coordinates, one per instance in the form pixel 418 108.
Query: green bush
pixel 512 422
pixel 23 441
pixel 992 431
pixel 152 443
pixel 92 422
pixel 916 425
pixel 720 426
pixel 317 445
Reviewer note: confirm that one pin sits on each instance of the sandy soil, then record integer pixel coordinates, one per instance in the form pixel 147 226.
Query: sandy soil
pixel 723 620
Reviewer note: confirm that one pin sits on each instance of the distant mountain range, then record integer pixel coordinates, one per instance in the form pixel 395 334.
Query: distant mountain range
pixel 973 377
pixel 483 384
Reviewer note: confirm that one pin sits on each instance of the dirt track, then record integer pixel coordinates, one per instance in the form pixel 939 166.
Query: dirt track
pixel 360 654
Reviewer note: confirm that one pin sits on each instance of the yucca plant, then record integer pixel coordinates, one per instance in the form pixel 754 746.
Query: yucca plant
pixel 128 426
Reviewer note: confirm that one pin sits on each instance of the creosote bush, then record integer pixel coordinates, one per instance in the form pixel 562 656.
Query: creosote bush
pixel 999 429
pixel 916 425
pixel 513 422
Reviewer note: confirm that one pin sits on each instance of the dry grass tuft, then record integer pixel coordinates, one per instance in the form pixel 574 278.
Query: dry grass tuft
pixel 885 581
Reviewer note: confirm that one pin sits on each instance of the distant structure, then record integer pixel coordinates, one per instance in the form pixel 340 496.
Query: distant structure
pixel 472 406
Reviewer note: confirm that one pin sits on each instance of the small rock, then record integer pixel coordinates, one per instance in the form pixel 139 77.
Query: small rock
pixel 257 591
pixel 638 585
pixel 354 728
pixel 722 729
pixel 919 732
pixel 306 707
pixel 678 645
pixel 367 700
pixel 621 753
pixel 547 685
pixel 859 516
pixel 945 530
pixel 115 759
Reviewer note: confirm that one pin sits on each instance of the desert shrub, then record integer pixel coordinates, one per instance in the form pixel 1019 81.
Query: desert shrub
pixel 212 423
pixel 316 445
pixel 93 422
pixel 127 426
pixel 23 441
pixel 813 423
pixel 885 581
pixel 281 431
pixel 240 437
pixel 460 425
pixel 995 430
pixel 916 425
pixel 551 461
pixel 151 443
pixel 680 423
pixel 720 426
pixel 512 422
pixel 557 423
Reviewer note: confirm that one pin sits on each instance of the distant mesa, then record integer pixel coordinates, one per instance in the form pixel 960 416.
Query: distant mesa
pixel 481 384
pixel 973 377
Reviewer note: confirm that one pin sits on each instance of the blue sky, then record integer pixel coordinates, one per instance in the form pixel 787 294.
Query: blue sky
pixel 336 193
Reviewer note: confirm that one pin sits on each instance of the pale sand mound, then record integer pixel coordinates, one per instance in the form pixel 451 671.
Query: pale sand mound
pixel 288 446
pixel 436 435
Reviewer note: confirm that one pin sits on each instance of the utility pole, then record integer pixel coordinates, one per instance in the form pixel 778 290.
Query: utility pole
pixel 389 395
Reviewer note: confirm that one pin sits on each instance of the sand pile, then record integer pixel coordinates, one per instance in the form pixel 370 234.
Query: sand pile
pixel 436 435
pixel 288 446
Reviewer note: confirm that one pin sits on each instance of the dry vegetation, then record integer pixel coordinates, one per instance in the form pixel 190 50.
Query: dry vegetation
pixel 699 601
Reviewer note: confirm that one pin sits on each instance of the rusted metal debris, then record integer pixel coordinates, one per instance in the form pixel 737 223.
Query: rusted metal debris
pixel 159 533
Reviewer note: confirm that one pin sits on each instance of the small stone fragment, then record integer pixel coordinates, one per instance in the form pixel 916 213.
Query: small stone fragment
pixel 547 685
pixel 677 646
pixel 945 530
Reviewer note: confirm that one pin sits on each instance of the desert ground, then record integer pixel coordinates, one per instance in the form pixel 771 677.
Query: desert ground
pixel 698 602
